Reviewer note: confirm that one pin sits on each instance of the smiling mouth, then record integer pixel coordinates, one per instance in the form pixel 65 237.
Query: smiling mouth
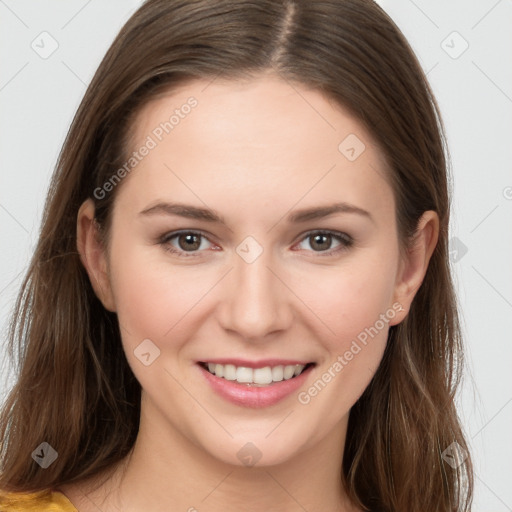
pixel 265 376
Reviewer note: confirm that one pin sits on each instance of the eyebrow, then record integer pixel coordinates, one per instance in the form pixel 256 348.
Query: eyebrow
pixel 295 217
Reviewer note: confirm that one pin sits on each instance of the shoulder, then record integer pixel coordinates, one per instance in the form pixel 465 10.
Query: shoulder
pixel 42 501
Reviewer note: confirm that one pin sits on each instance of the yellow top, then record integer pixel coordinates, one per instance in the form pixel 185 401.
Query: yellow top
pixel 43 501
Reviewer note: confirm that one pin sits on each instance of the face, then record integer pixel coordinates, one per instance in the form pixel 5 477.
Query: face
pixel 254 277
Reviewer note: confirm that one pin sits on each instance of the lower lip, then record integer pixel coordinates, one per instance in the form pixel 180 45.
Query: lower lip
pixel 255 396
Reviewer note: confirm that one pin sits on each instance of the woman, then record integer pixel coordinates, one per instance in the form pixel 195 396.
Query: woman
pixel 241 296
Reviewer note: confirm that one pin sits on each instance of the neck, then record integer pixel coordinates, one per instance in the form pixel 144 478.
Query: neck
pixel 167 471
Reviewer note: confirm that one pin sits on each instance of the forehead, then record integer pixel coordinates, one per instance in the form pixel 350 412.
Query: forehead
pixel 262 138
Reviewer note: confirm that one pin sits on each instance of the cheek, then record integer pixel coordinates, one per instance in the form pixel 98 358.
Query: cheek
pixel 354 355
pixel 349 299
pixel 354 308
pixel 151 298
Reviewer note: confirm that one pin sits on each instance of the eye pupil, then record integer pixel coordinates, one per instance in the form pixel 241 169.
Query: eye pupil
pixel 192 241
pixel 319 241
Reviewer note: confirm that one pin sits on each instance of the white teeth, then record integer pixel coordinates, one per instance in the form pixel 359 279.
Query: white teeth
pixel 277 373
pixel 230 372
pixel 257 376
pixel 298 370
pixel 242 374
pixel 289 372
pixel 262 375
pixel 219 370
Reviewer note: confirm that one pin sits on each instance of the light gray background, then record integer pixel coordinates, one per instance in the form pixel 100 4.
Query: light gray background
pixel 38 97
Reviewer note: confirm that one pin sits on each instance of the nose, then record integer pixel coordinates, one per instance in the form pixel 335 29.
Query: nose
pixel 255 302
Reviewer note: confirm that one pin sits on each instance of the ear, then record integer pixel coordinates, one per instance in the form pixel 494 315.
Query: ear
pixel 414 263
pixel 93 254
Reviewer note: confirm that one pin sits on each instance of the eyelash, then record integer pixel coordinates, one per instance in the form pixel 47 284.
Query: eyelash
pixel 345 240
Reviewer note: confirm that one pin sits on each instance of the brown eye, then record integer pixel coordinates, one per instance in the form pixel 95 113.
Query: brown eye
pixel 189 241
pixel 322 242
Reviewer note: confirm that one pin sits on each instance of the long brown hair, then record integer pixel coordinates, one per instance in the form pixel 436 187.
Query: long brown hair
pixel 75 389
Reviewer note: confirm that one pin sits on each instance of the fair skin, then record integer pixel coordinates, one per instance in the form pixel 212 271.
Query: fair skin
pixel 255 152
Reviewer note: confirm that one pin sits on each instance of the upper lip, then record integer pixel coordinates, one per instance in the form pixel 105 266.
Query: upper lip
pixel 262 363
